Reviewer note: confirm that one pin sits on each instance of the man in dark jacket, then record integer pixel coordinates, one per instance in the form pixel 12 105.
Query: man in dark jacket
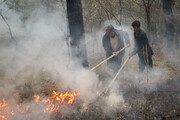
pixel 113 41
pixel 142 47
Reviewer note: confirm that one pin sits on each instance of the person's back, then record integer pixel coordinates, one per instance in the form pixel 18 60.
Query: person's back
pixel 142 47
pixel 142 41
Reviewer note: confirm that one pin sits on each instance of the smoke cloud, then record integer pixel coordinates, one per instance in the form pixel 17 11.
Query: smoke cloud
pixel 42 49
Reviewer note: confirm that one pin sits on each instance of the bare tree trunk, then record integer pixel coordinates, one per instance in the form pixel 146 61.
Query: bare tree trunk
pixel 169 26
pixel 120 11
pixel 147 5
pixel 148 14
pixel 148 20
pixel 76 28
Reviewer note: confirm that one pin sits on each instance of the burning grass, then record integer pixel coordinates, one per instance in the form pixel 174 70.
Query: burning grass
pixel 38 96
pixel 44 99
pixel 41 98
pixel 53 104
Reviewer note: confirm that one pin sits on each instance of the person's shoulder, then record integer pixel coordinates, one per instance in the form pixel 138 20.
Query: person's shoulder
pixel 142 32
pixel 118 30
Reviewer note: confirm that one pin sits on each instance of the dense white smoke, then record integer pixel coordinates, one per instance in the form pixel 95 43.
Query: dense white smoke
pixel 42 47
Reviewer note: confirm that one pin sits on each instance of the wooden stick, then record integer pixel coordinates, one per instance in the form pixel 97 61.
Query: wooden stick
pixel 108 58
pixel 147 94
pixel 117 73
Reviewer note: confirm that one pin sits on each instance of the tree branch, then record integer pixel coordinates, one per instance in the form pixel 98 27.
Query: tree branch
pixel 151 3
pixel 144 4
pixel 10 32
pixel 109 12
pixel 141 5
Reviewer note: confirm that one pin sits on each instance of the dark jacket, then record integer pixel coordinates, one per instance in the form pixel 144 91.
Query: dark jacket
pixel 121 36
pixel 141 43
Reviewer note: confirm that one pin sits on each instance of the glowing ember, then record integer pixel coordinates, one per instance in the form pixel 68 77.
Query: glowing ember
pixel 4 110
pixel 53 102
pixel 37 98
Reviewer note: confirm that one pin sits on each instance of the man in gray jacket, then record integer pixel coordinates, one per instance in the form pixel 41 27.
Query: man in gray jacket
pixel 113 41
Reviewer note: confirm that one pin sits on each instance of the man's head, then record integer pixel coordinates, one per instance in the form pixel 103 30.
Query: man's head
pixel 110 31
pixel 136 25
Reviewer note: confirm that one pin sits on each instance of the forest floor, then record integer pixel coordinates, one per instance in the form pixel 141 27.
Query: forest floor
pixel 163 93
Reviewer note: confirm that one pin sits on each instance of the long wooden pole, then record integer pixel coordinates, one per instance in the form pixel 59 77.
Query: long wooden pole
pixel 147 94
pixel 108 58
pixel 117 74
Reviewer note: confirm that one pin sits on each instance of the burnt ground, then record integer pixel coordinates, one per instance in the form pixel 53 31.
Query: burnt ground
pixel 163 101
pixel 163 95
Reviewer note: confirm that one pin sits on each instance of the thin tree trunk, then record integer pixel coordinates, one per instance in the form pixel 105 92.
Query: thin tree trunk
pixel 120 11
pixel 148 20
pixel 76 28
pixel 147 5
pixel 148 14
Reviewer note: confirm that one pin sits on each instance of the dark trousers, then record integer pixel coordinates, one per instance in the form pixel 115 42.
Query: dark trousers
pixel 115 62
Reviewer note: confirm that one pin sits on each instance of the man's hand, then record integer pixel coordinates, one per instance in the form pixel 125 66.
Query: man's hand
pixel 115 53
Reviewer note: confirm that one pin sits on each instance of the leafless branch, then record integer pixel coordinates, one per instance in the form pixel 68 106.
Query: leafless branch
pixel 10 32
pixel 109 12
pixel 141 5
pixel 144 4
pixel 151 3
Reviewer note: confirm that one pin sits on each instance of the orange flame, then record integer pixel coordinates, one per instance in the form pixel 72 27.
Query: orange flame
pixel 3 104
pixel 57 99
pixel 54 102
pixel 3 117
pixel 37 98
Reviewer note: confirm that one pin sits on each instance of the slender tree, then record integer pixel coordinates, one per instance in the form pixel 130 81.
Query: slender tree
pixel 120 11
pixel 147 5
pixel 76 28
